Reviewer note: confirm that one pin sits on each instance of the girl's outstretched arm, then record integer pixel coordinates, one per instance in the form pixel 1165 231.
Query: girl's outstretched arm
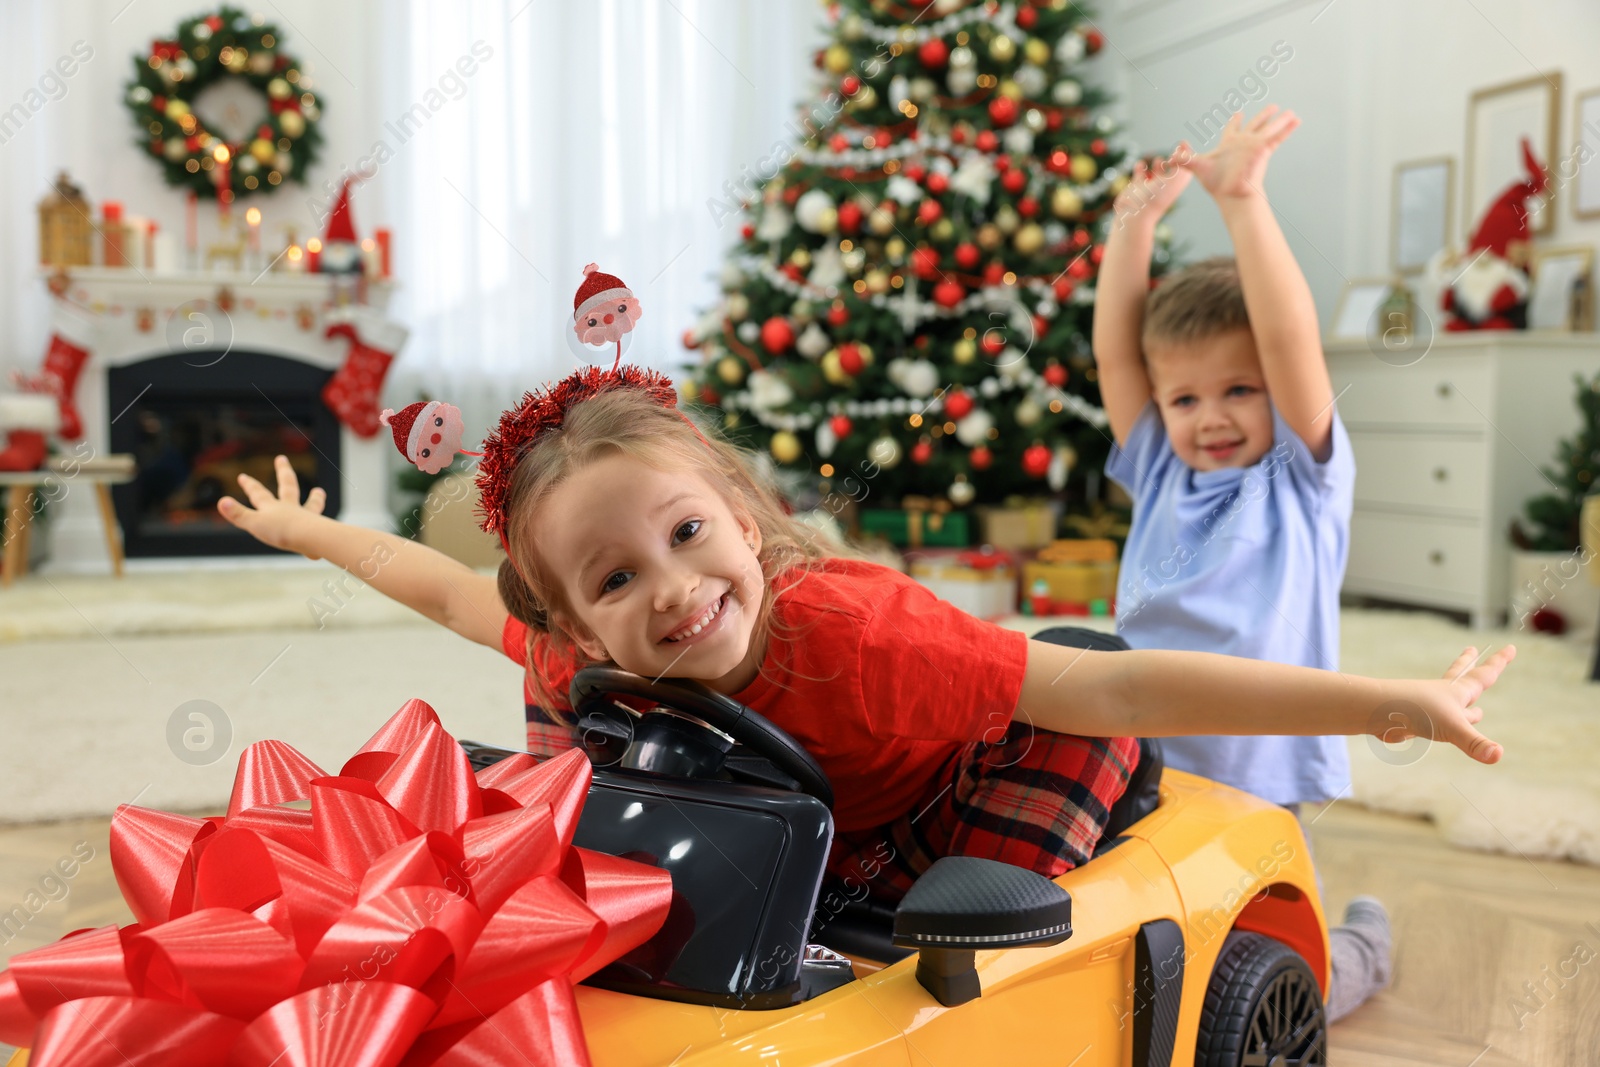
pixel 428 582
pixel 1160 694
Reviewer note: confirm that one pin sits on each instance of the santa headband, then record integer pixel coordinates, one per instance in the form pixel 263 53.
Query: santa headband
pixel 429 433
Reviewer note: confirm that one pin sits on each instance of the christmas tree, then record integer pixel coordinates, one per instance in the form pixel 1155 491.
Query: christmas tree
pixel 910 303
pixel 1555 516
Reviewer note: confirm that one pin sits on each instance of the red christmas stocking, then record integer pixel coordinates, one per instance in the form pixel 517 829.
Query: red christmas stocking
pixel 58 375
pixel 352 392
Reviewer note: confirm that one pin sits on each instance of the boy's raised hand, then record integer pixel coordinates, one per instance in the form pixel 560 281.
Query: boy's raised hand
pixel 276 518
pixel 1155 186
pixel 1446 709
pixel 1238 165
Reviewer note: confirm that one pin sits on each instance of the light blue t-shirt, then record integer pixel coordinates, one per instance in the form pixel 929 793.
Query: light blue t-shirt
pixel 1245 561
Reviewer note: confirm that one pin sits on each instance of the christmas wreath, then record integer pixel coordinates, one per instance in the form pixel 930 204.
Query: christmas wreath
pixel 263 115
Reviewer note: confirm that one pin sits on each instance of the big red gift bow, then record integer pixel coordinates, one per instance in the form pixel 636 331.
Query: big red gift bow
pixel 415 914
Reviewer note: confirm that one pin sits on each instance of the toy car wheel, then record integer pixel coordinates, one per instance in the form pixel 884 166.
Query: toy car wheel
pixel 1263 1008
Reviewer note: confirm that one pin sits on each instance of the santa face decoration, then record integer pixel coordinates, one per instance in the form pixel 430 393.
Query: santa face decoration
pixel 427 433
pixel 604 309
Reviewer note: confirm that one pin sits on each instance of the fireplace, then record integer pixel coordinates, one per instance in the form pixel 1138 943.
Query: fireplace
pixel 196 420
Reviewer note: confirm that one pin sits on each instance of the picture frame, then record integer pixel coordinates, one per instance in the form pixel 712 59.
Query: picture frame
pixel 1586 135
pixel 1422 206
pixel 1356 317
pixel 1553 272
pixel 1498 117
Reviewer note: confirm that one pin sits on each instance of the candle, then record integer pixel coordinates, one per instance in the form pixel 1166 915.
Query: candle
pixel 191 230
pixel 114 235
pixel 314 254
pixel 371 263
pixel 382 237
pixel 224 180
pixel 150 230
pixel 252 219
pixel 294 260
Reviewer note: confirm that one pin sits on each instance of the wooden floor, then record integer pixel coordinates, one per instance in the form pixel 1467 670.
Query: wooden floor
pixel 1470 930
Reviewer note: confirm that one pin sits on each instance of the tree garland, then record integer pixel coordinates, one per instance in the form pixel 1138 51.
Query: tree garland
pixel 206 50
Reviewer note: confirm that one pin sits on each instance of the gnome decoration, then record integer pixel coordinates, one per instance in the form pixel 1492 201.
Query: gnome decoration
pixel 341 252
pixel 604 309
pixel 428 433
pixel 1489 290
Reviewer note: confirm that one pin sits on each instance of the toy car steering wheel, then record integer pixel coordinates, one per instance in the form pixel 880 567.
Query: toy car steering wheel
pixel 666 742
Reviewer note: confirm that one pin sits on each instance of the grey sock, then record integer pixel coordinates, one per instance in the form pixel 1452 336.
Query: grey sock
pixel 1361 948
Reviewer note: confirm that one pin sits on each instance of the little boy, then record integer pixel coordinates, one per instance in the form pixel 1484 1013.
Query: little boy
pixel 1240 471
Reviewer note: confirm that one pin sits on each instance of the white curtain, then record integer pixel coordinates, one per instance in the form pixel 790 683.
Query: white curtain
pixel 596 132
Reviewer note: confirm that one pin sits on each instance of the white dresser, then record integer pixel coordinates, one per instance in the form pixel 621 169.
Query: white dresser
pixel 1447 451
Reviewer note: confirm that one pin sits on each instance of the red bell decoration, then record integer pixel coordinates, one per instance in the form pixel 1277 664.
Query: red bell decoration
pixel 1014 181
pixel 1035 460
pixel 948 293
pixel 937 183
pixel 967 255
pixel 958 404
pixel 929 212
pixel 841 424
pixel 981 458
pixel 1003 111
pixel 921 452
pixel 850 359
pixel 925 263
pixel 838 314
pixel 934 53
pixel 1055 374
pixel 849 218
pixel 777 335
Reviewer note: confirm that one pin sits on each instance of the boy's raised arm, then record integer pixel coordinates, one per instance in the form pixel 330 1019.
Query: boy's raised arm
pixel 1121 288
pixel 1283 317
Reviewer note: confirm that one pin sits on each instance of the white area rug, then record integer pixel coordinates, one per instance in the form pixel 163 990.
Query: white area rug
pixel 94 669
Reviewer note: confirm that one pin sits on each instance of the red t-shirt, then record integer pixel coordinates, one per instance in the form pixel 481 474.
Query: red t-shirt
pixel 879 679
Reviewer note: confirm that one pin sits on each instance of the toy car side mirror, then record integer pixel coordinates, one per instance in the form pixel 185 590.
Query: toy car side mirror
pixel 961 904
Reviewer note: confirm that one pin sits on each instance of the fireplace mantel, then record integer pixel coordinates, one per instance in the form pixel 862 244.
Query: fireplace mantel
pixel 128 317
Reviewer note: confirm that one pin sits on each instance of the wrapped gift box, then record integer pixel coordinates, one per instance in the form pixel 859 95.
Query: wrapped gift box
pixel 1020 523
pixel 981 582
pixel 1074 571
pixel 918 521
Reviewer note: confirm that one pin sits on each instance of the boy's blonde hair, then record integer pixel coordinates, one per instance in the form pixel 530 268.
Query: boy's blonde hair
pixel 628 421
pixel 1200 301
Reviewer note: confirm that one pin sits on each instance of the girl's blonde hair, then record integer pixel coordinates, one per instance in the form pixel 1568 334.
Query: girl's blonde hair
pixel 628 421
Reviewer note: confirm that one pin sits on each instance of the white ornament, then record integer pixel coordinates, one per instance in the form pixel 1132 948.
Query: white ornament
pixel 813 342
pixel 948 7
pixel 815 213
pixel 899 405
pixel 961 493
pixel 775 222
pixel 1070 49
pixel 961 80
pixel 737 306
pixel 1055 475
pixel 989 387
pixel 768 391
pixel 1012 364
pixel 826 438
pixel 749 332
pixel 1047 308
pixel 1067 92
pixel 854 260
pixel 1163 232
pixel 973 430
pixel 1031 80
pixel 923 89
pixel 1054 233
pixel 903 190
pixel 880 406
pixel 885 452
pixel 731 277
pixel 827 268
pixel 899 91
pixel 974 178
pixel 919 379
pixel 961 58
pixel 1019 140
pixel 1028 412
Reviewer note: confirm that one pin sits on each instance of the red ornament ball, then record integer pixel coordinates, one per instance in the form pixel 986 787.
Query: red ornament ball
pixel 925 262
pixel 841 426
pixel 689 341
pixel 948 293
pixel 1027 17
pixel 777 335
pixel 1053 120
pixel 709 396
pixel 1080 269
pixel 1055 374
pixel 930 211
pixel 958 404
pixel 937 183
pixel 981 458
pixel 1097 146
pixel 1028 206
pixel 1041 326
pixel 1003 111
pixel 850 85
pixel 838 142
pixel 1035 461
pixel 747 231
pixel 921 452
pixel 994 273
pixel 915 171
pixel 987 141
pixel 793 273
pixel 1064 287
pixel 934 53
pixel 1097 253
pixel 838 314
pixel 993 342
pixel 1080 238
pixel 791 194
pixel 849 214
pixel 1093 41
pixel 850 360
pixel 967 255
pixel 1014 181
pixel 1002 163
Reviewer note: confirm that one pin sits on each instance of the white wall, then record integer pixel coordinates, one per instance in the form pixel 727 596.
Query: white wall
pixel 1375 82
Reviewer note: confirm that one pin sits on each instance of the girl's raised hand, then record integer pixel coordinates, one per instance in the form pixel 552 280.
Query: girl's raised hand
pixel 1446 709
pixel 1237 167
pixel 275 519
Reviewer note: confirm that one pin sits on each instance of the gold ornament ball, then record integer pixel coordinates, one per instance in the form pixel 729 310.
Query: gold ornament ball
pixel 1069 456
pixel 176 109
pixel 836 59
pixel 1007 219
pixel 738 306
pixel 1010 90
pixel 852 27
pixel 964 350
pixel 1065 202
pixel 292 123
pixel 1034 119
pixel 989 236
pixel 866 97
pixel 237 58
pixel 1002 49
pixel 801 258
pixel 827 219
pixel 731 419
pixel 1028 412
pixel 881 221
pixel 1119 183
pixel 1029 239
pixel 1084 168
pixel 785 446
pixel 264 150
pixel 942 231
pixel 278 89
pixel 1036 51
pixel 877 281
pixel 831 369
pixel 895 249
pixel 865 350
pixel 730 370
pixel 689 390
